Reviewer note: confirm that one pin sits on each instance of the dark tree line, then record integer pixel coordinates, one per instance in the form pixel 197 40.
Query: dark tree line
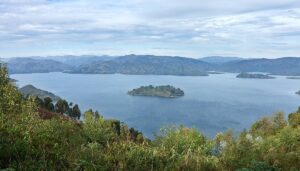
pixel 61 106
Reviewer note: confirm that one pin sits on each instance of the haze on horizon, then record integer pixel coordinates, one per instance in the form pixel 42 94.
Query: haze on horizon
pixel 191 28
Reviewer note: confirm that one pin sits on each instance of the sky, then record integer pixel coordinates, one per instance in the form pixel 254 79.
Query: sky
pixel 190 28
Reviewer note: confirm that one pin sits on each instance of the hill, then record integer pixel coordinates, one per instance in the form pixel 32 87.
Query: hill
pixel 153 65
pixel 30 90
pixel 30 65
pixel 76 61
pixel 166 65
pixel 220 59
pixel 147 64
pixel 279 66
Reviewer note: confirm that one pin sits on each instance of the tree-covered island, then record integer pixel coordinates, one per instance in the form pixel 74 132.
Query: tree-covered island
pixel 157 91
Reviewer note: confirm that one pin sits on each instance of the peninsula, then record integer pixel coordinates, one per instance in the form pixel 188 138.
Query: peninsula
pixel 293 78
pixel 255 76
pixel 30 90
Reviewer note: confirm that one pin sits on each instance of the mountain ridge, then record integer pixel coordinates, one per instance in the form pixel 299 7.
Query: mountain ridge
pixel 220 59
pixel 30 65
pixel 147 65
pixel 153 65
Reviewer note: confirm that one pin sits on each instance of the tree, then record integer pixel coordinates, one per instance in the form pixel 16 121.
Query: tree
pixel 115 125
pixel 97 115
pixel 294 119
pixel 48 104
pixel 61 106
pixel 76 113
pixel 39 102
pixel 8 94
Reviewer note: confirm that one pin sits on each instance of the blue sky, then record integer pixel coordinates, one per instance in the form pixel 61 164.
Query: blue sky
pixel 191 28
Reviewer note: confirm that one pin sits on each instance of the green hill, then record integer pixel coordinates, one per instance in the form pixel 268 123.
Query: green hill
pixel 147 65
pixel 30 65
pixel 30 90
pixel 279 66
pixel 153 65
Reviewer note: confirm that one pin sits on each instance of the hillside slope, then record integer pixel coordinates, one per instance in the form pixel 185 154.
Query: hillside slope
pixel 220 59
pixel 279 66
pixel 146 64
pixel 30 90
pixel 29 65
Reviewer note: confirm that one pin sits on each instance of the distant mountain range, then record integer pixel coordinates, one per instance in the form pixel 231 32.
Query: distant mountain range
pixel 30 65
pixel 146 64
pixel 279 66
pixel 155 65
pixel 77 60
pixel 220 59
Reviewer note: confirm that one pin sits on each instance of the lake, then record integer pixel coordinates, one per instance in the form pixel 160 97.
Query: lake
pixel 211 104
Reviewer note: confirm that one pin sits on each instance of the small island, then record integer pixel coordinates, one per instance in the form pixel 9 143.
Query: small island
pixel 214 72
pixel 298 92
pixel 294 78
pixel 254 76
pixel 158 91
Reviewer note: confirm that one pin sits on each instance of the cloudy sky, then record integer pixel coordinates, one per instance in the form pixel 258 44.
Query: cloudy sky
pixel 192 28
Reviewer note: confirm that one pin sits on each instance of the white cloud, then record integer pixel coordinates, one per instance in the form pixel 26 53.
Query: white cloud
pixel 190 28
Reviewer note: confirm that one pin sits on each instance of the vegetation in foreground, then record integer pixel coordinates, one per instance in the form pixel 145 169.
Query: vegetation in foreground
pixel 158 91
pixel 29 141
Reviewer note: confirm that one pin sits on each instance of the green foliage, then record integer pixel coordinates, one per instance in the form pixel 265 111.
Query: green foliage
pixel 294 119
pixel 28 142
pixel 11 100
pixel 159 91
pixel 76 113
pixel 61 106
pixel 269 126
pixel 48 104
pixel 185 149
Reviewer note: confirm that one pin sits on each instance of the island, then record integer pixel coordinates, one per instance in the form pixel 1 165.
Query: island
pixel 298 92
pixel 214 72
pixel 30 90
pixel 255 76
pixel 293 78
pixel 157 91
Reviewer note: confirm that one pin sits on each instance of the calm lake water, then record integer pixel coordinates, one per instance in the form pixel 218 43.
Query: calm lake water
pixel 211 104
